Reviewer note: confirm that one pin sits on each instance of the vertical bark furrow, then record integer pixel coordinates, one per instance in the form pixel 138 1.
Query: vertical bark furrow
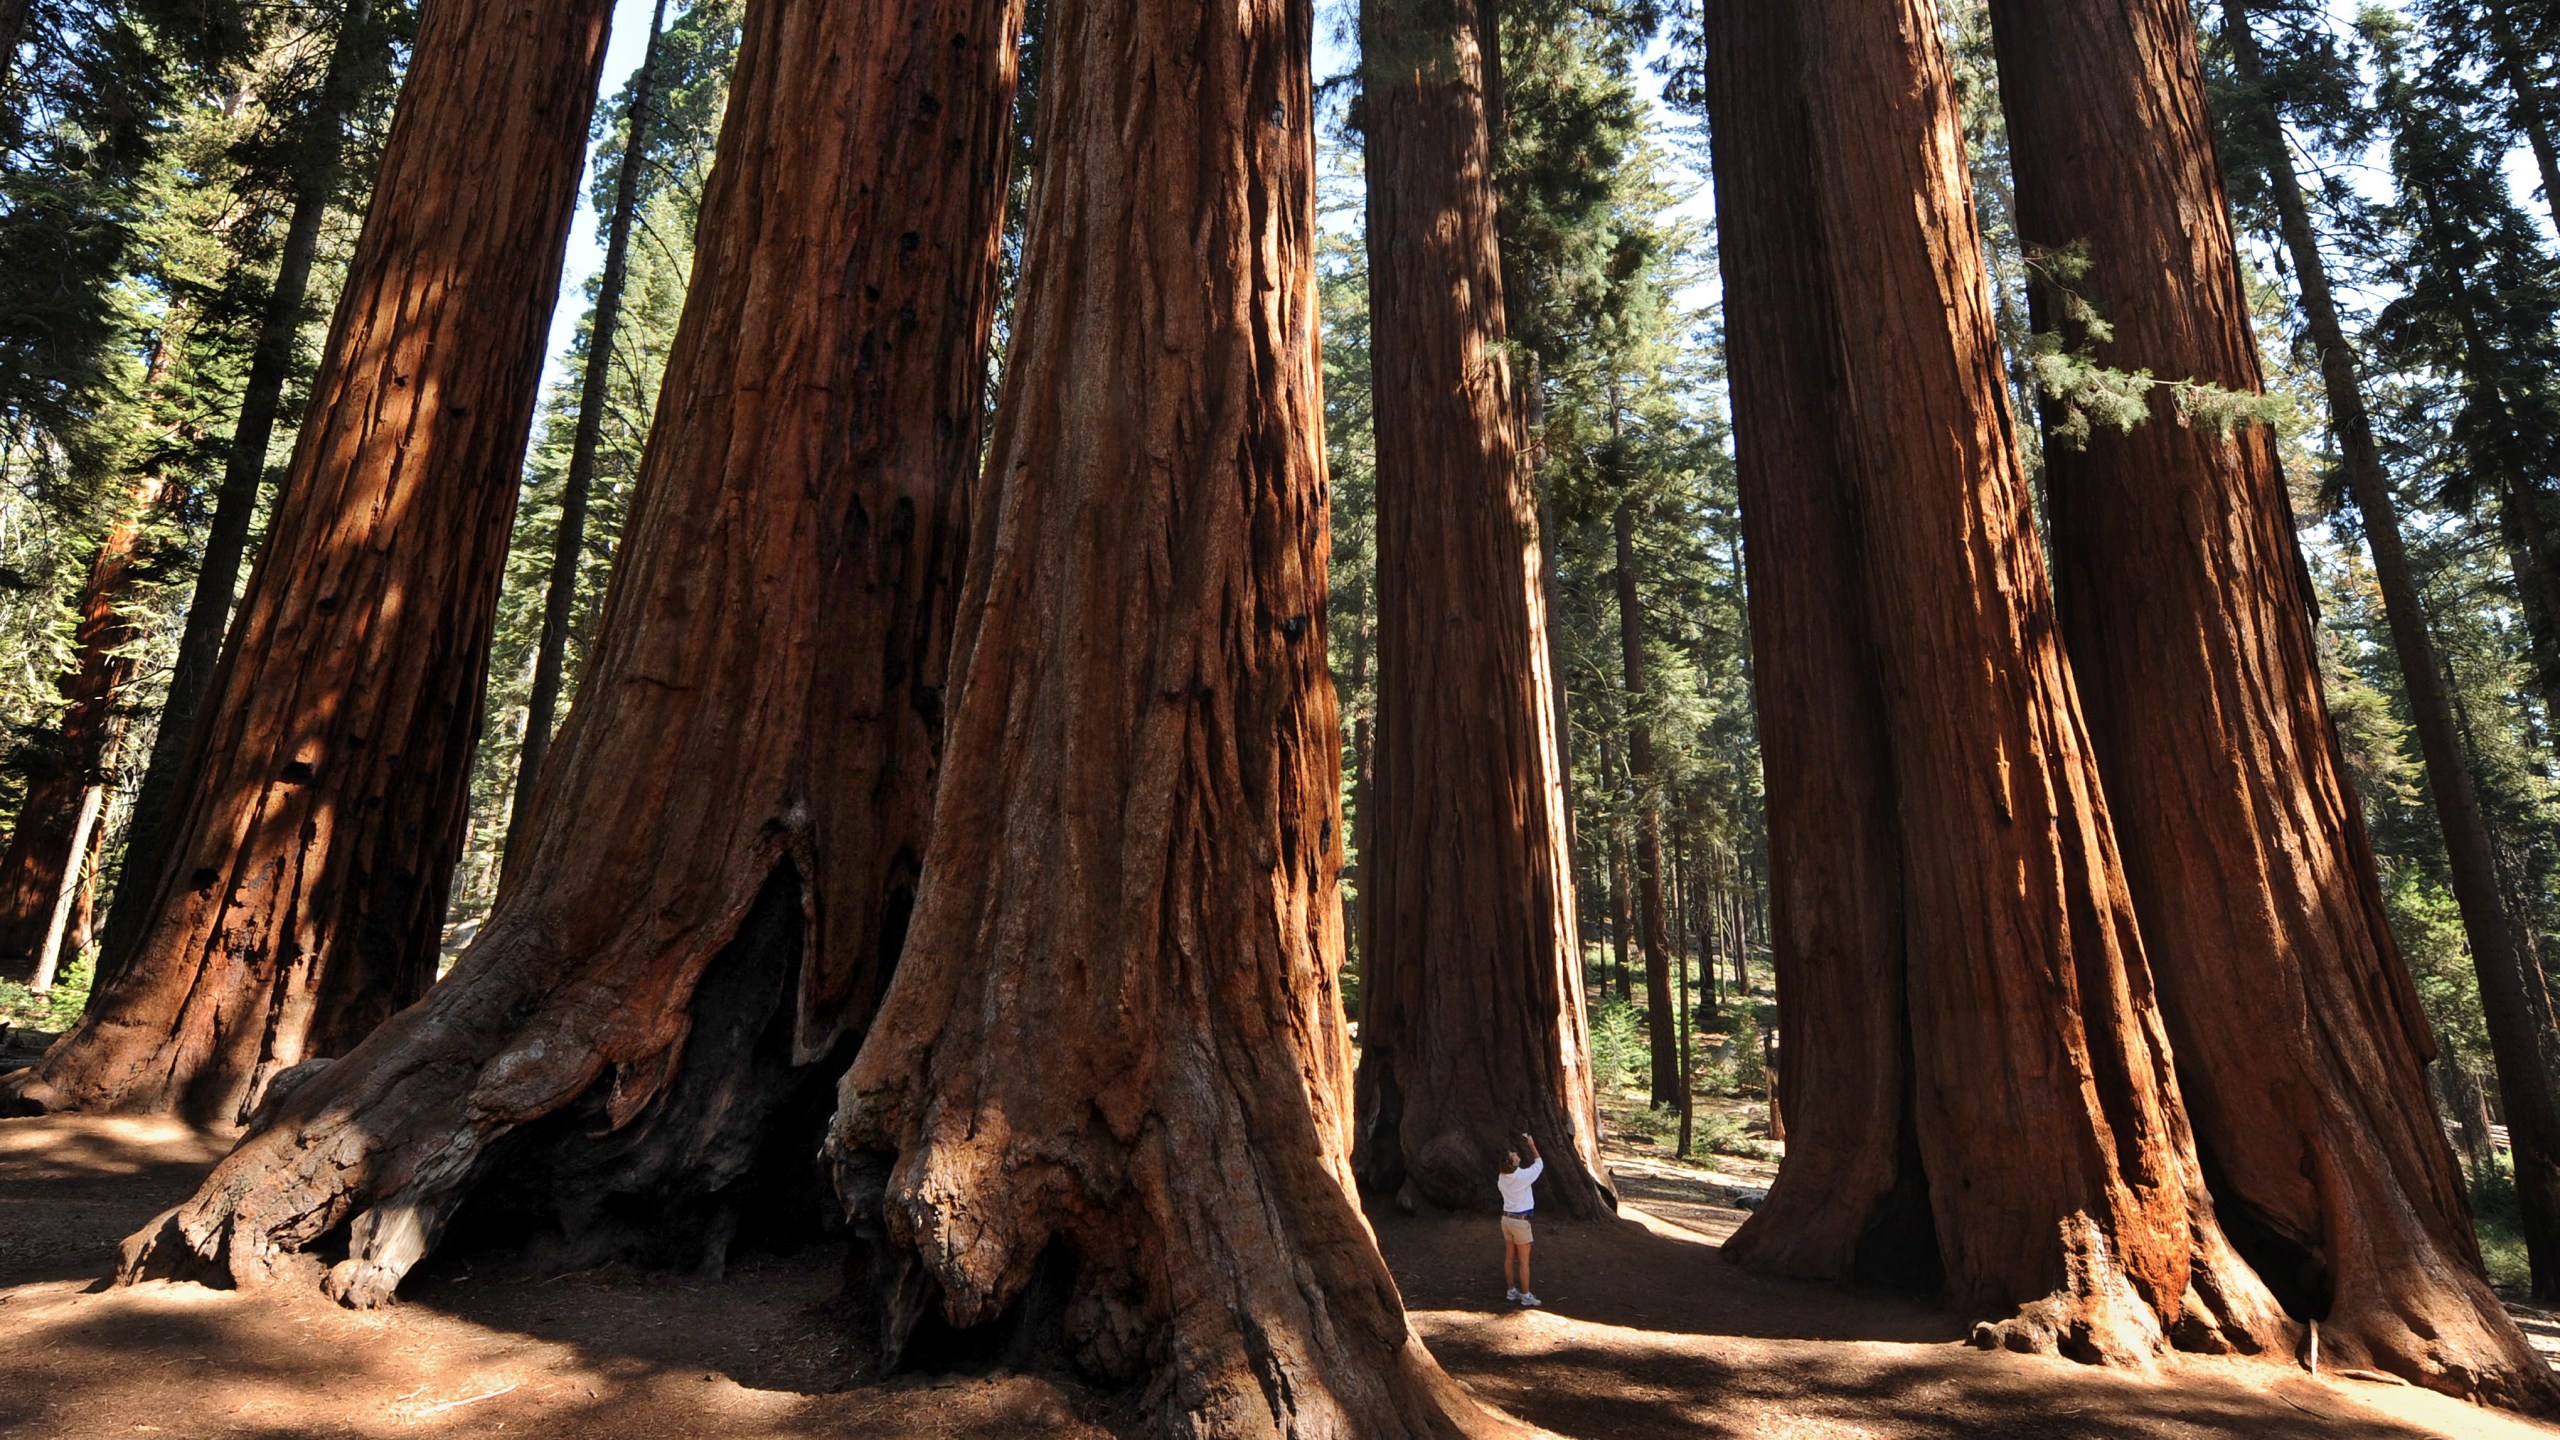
pixel 324 803
pixel 763 693
pixel 1834 855
pixel 2020 940
pixel 1473 1026
pixel 1115 1043
pixel 2184 608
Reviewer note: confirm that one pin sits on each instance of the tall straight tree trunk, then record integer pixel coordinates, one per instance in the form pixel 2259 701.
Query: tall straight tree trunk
pixel 2526 100
pixel 303 883
pixel 84 916
pixel 1533 451
pixel 1648 812
pixel 2301 1046
pixel 271 363
pixel 1357 933
pixel 569 543
pixel 725 841
pixel 1835 854
pixel 1115 1053
pixel 42 852
pixel 1619 921
pixel 2533 1116
pixel 93 799
pixel 2535 569
pixel 1472 1027
pixel 1680 882
pixel 2067 1184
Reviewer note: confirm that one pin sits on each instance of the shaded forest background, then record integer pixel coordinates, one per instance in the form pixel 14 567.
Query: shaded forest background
pixel 155 160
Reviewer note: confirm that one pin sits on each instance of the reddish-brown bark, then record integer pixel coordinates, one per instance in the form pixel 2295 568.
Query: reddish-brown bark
pixel 1472 1028
pixel 360 47
pixel 1114 1051
pixel 303 887
pixel 725 836
pixel 1834 852
pixel 2066 1186
pixel 2301 1047
pixel 75 756
pixel 2507 977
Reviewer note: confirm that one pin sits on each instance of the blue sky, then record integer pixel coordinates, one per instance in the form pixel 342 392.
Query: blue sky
pixel 1333 55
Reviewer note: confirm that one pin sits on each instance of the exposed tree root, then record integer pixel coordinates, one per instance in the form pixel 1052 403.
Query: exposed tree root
pixel 499 1069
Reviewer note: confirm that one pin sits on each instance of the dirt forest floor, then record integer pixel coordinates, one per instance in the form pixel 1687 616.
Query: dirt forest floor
pixel 1648 1333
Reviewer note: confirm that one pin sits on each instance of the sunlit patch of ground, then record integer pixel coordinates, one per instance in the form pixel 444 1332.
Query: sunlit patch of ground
pixel 1648 1333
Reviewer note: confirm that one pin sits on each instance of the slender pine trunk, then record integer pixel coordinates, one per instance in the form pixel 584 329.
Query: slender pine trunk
pixel 93 798
pixel 568 546
pixel 2525 98
pixel 1648 815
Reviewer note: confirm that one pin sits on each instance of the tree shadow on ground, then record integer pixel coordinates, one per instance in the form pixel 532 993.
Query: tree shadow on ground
pixel 203 1364
pixel 1656 1277
pixel 1647 1331
pixel 71 1190
pixel 1629 1391
pixel 1651 1334
pixel 482 1343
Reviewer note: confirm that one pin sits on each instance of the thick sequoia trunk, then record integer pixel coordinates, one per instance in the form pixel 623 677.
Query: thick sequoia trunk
pixel 1665 1042
pixel 45 843
pixel 2301 1047
pixel 2042 1101
pixel 1472 1023
pixel 1834 853
pixel 725 840
pixel 569 542
pixel 302 886
pixel 2533 1113
pixel 359 47
pixel 1114 1055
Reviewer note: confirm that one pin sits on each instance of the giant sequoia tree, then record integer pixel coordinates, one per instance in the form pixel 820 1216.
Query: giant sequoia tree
pixel 2532 1111
pixel 302 886
pixel 1114 1051
pixel 316 161
pixel 1849 1202
pixel 2300 1043
pixel 724 846
pixel 1472 1023
pixel 2044 1119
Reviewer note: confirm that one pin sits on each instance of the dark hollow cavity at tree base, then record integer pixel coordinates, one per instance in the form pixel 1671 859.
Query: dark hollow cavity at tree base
pixel 726 1158
pixel 724 1154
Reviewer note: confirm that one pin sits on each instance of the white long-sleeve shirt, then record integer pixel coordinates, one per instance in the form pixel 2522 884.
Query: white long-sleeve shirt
pixel 1515 1184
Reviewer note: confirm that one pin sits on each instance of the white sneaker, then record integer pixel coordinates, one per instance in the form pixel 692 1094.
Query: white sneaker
pixel 1512 1293
pixel 1529 1301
